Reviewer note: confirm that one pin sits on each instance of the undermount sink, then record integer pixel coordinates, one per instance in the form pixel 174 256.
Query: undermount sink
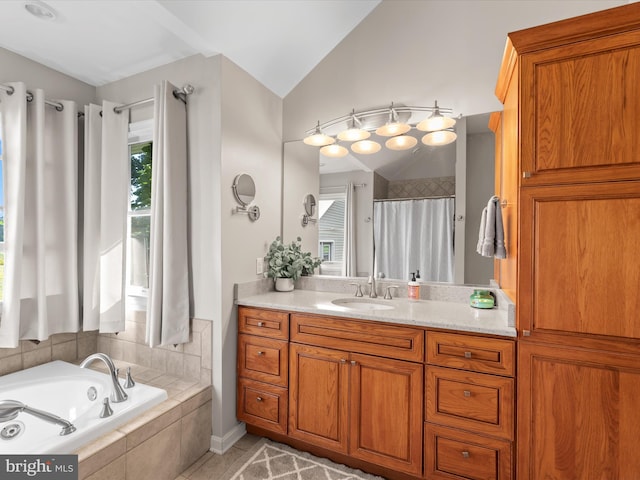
pixel 362 304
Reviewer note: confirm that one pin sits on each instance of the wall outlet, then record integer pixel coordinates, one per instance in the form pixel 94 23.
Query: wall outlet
pixel 259 266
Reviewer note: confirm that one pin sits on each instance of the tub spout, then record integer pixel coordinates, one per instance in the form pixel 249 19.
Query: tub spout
pixel 9 409
pixel 118 395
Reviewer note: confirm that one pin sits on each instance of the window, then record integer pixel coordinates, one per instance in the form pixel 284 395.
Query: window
pixel 331 209
pixel 139 228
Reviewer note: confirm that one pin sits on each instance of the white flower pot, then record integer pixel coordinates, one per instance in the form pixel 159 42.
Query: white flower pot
pixel 284 284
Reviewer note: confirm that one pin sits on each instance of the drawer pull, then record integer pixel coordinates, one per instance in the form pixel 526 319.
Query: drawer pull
pixel 258 399
pixel 260 353
pixel 466 393
pixel 343 360
pixel 465 454
pixel 261 324
pixel 353 362
pixel 467 354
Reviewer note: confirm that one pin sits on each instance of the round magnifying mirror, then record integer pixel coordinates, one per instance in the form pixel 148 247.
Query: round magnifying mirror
pixel 244 189
pixel 309 204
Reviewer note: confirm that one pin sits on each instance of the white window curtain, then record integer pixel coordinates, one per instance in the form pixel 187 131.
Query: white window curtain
pixel 412 235
pixel 168 302
pixel 350 239
pixel 106 197
pixel 41 268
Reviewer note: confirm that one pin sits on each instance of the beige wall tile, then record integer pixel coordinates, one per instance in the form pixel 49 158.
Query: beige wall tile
pixel 62 337
pixel 87 345
pixel 205 376
pixel 175 364
pixel 158 458
pixel 28 345
pixel 67 351
pixel 100 453
pixel 198 325
pixel 196 435
pixel 129 352
pixel 194 397
pixel 116 349
pixel 192 367
pixel 143 355
pixel 36 357
pixel 8 352
pixel 194 347
pixel 112 471
pixel 159 359
pixel 11 364
pixel 151 422
pixel 206 346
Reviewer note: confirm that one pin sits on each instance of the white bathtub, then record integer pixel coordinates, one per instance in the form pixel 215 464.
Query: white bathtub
pixel 61 388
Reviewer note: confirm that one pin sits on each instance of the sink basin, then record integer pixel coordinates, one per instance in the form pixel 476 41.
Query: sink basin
pixel 362 304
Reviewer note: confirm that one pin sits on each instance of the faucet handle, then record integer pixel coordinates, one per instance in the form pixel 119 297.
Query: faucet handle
pixel 107 411
pixel 129 383
pixel 358 289
pixel 387 293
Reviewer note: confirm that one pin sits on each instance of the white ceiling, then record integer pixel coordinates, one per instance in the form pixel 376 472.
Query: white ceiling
pixel 99 41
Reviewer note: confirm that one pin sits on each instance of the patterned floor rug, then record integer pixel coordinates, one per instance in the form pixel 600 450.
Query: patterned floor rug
pixel 268 460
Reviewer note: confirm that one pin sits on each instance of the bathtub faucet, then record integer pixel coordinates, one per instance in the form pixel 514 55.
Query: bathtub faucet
pixel 9 409
pixel 118 395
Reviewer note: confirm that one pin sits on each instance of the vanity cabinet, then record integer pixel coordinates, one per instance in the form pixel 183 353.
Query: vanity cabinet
pixel 469 407
pixel 573 135
pixel 357 398
pixel 263 368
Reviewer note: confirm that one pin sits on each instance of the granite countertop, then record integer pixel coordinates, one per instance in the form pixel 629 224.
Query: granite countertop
pixel 422 313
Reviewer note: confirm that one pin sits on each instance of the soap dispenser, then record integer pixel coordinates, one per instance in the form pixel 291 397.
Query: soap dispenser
pixel 413 287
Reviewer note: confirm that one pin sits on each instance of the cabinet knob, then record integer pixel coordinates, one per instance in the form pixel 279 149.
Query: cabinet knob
pixel 465 454
pixel 353 362
pixel 526 174
pixel 467 354
pixel 467 393
pixel 258 399
pixel 260 353
pixel 260 324
pixel 343 360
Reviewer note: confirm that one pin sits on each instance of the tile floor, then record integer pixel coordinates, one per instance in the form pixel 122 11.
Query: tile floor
pixel 211 465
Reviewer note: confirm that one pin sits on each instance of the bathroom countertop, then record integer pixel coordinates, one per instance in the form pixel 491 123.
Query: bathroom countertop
pixel 422 313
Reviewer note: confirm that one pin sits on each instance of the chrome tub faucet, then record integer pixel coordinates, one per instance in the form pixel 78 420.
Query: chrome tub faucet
pixel 118 394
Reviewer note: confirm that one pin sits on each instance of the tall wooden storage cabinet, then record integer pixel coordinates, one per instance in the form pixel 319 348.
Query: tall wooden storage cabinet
pixel 574 133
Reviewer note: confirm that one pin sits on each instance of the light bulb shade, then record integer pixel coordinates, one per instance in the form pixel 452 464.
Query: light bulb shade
pixel 353 134
pixel 392 129
pixel 401 142
pixel 441 137
pixel 334 151
pixel 319 139
pixel 435 122
pixel 366 147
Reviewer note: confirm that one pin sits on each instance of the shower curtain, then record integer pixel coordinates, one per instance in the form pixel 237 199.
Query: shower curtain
pixel 168 302
pixel 41 267
pixel 411 235
pixel 106 197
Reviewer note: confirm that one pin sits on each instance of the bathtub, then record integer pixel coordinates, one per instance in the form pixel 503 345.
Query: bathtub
pixel 72 393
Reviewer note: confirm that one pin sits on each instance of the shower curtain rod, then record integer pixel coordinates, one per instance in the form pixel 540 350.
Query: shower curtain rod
pixel 58 106
pixel 344 186
pixel 412 198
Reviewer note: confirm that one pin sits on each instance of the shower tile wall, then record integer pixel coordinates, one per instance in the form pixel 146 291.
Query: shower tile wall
pixel 69 347
pixel 421 187
pixel 190 360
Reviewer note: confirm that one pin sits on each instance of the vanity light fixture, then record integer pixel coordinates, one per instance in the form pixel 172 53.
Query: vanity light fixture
pixel 392 122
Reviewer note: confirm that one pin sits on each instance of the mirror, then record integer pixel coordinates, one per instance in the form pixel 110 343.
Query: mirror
pixel 309 204
pixel 464 170
pixel 244 189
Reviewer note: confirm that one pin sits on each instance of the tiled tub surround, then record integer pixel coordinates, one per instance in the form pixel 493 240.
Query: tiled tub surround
pixel 440 305
pixel 161 443
pixel 189 360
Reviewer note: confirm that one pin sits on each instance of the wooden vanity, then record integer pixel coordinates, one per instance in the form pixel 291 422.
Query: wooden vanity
pixel 400 401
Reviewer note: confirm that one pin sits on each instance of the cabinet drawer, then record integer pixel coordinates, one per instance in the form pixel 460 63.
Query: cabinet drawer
pixel 264 323
pixel 480 354
pixel 454 455
pixel 472 401
pixel 262 405
pixel 263 359
pixel 401 343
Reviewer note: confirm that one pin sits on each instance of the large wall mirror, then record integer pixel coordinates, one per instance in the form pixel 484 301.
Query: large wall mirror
pixel 411 210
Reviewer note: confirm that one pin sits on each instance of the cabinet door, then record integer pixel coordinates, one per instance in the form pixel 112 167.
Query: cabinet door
pixel 580 111
pixel 578 414
pixel 579 265
pixel 386 412
pixel 318 396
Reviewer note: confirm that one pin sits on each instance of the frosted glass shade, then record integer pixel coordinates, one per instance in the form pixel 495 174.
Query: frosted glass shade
pixel 366 147
pixel 441 137
pixel 401 142
pixel 319 139
pixel 392 129
pixel 334 151
pixel 353 135
pixel 435 122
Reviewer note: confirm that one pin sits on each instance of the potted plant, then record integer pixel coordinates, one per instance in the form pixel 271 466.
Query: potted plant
pixel 286 262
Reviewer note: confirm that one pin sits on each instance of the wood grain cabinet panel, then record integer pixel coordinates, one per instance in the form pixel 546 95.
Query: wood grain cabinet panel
pixel 455 455
pixel 263 359
pixel 262 405
pixel 264 323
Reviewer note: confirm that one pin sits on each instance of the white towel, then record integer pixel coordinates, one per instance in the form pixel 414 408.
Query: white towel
pixel 491 237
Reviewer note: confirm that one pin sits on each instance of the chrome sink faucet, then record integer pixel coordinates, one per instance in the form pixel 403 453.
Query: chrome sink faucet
pixel 372 291
pixel 118 394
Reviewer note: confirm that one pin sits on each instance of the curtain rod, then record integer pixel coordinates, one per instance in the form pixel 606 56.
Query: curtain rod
pixel 344 186
pixel 58 106
pixel 179 93
pixel 412 198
